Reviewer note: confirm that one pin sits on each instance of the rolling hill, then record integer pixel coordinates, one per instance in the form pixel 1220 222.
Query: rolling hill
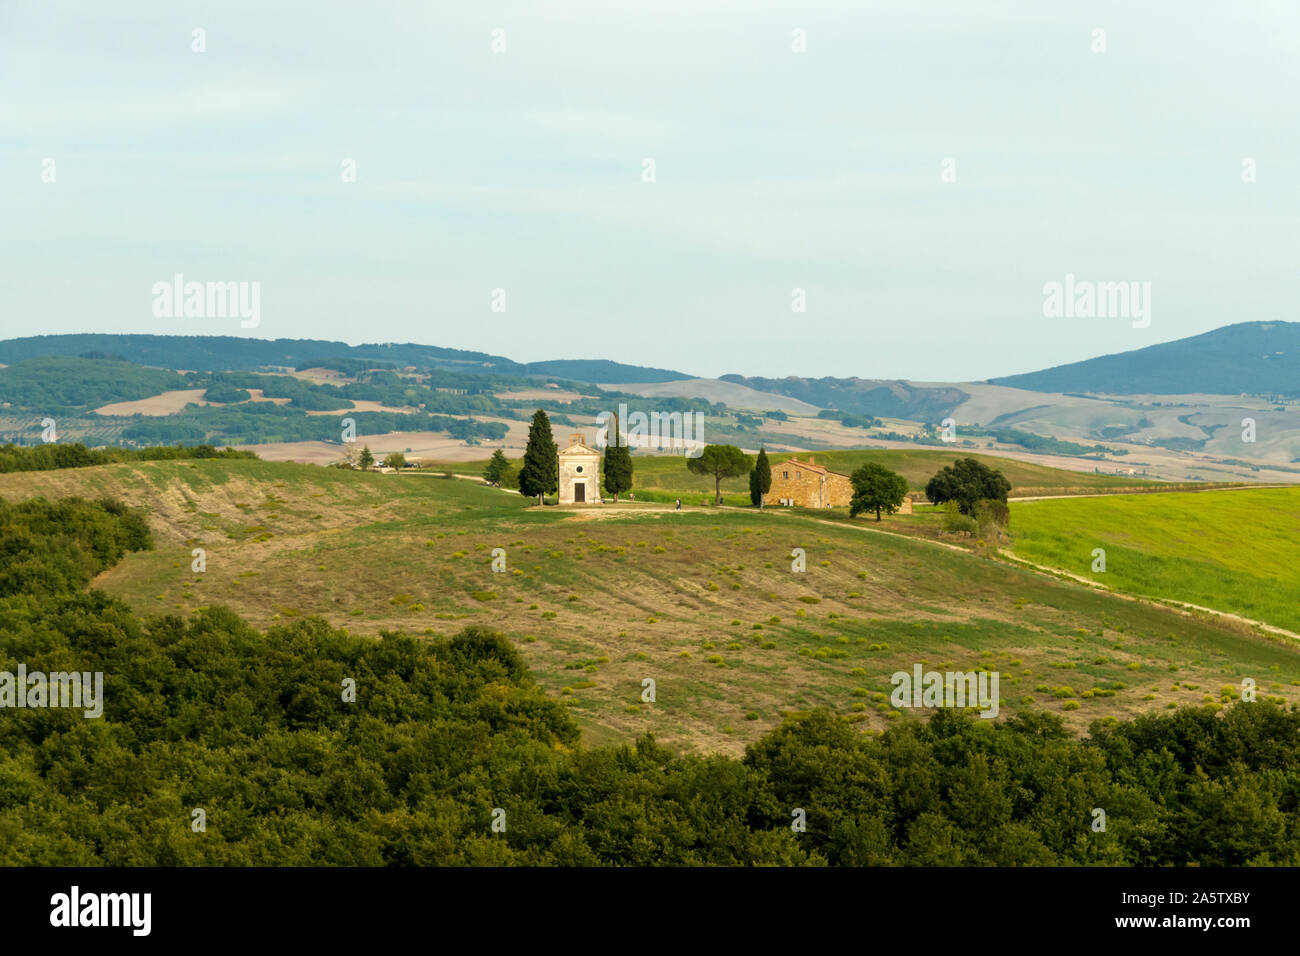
pixel 703 599
pixel 1249 357
pixel 885 399
pixel 1241 557
pixel 234 353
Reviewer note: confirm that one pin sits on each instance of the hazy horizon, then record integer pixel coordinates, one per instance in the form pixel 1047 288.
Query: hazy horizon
pixel 970 379
pixel 129 157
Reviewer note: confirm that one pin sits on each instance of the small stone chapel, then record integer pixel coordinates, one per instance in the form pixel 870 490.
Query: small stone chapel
pixel 579 473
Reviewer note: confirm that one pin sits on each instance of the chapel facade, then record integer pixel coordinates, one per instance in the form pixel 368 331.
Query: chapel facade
pixel 579 473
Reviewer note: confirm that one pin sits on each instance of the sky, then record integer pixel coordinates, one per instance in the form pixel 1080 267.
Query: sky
pixel 503 146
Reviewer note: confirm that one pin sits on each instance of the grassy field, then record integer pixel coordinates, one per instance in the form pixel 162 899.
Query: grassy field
pixel 1236 551
pixel 702 601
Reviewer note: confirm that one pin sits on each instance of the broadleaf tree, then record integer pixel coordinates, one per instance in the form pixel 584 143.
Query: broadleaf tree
pixel 719 462
pixel 876 488
pixel 967 481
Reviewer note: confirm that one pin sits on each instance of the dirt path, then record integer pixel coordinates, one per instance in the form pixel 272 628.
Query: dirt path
pixel 1171 491
pixel 1169 603
pixel 870 530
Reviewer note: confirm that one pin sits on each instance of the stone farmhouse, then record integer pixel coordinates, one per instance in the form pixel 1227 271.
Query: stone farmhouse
pixel 579 473
pixel 806 484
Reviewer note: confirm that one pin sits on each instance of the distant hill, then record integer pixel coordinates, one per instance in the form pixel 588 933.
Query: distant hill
pixel 1251 357
pixel 214 353
pixel 731 394
pixel 56 383
pixel 886 399
pixel 600 370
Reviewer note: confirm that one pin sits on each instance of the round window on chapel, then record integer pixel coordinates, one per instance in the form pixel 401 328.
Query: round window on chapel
pixel 578 469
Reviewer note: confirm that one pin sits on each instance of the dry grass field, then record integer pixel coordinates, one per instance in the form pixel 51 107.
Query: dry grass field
pixel 704 601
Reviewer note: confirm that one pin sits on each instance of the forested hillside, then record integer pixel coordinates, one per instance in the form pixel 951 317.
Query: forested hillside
pixel 216 353
pixel 888 399
pixel 444 736
pixel 1256 358
pixel 56 385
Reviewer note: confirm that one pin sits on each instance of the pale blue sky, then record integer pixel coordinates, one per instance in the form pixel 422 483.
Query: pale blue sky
pixel 776 170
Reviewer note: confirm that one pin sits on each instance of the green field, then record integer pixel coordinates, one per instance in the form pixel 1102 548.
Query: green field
pixel 704 601
pixel 665 477
pixel 1236 551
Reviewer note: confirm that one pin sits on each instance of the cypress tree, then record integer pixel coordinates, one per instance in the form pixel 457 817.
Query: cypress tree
pixel 762 482
pixel 618 465
pixel 539 475
pixel 497 468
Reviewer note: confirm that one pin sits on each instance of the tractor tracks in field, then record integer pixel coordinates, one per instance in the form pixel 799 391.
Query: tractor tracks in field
pixel 1185 608
pixel 1171 603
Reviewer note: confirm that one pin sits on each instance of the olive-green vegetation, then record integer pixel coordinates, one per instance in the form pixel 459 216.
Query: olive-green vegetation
pixel 444 735
pixel 53 455
pixel 1236 551
pixel 69 389
pixel 54 385
pixel 224 392
pixel 261 422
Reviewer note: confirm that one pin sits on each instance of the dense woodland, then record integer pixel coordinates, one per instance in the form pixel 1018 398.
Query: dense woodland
pixel 206 712
pixel 59 386
pixel 261 422
pixel 70 389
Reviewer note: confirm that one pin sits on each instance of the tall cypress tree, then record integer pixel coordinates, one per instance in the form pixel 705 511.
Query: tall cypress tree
pixel 539 475
pixel 762 480
pixel 618 465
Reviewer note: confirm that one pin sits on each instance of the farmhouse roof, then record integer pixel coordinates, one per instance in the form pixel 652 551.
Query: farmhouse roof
pixel 811 465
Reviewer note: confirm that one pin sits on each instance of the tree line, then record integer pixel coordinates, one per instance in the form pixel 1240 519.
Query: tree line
pixel 54 455
pixel 971 488
pixel 445 737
